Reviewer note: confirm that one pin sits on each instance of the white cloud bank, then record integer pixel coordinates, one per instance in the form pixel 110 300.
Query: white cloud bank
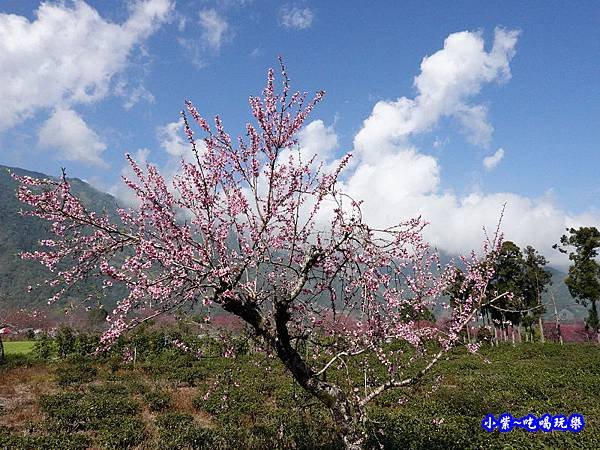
pixel 172 140
pixel 68 55
pixel 397 181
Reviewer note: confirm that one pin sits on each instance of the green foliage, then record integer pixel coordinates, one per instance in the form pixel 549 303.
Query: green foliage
pixel 177 367
pixel 158 400
pixel 65 341
pixel 72 411
pixel 121 432
pixel 178 431
pixel 250 402
pixel 50 441
pixel 44 347
pixel 522 274
pixel 76 373
pixel 86 344
pixel 22 233
pixel 532 378
pixel 105 409
pixel 583 280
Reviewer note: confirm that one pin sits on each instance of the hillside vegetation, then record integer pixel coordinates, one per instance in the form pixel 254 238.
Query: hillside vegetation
pixel 18 234
pixel 168 399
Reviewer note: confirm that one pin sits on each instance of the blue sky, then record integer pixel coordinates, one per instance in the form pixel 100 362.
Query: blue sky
pixel 86 82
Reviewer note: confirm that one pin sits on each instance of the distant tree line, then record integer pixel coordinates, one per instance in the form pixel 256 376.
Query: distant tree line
pixel 520 279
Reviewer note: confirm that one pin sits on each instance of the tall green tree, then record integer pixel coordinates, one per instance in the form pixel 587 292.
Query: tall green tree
pixel 536 281
pixel 582 245
pixel 508 279
pixel 521 274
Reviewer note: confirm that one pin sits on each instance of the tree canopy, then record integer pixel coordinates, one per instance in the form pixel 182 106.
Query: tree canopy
pixel 253 228
pixel 582 245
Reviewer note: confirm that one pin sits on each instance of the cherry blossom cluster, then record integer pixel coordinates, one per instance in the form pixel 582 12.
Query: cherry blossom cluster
pixel 251 229
pixel 186 348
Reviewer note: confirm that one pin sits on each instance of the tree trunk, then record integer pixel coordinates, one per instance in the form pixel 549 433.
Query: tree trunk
pixel 541 324
pixel 1 350
pixel 347 415
pixel 560 338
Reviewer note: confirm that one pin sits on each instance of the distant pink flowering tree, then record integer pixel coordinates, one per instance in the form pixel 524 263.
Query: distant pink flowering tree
pixel 252 229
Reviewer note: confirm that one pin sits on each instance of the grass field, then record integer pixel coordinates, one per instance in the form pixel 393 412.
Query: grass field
pixel 18 347
pixel 169 400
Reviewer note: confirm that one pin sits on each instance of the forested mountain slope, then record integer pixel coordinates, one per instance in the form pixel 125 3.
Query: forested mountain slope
pixel 19 233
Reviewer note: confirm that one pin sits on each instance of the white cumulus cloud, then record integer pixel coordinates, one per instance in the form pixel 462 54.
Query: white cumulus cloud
pixel 490 162
pixel 448 80
pixel 171 139
pixel 317 139
pixel 397 181
pixel 68 54
pixel 69 135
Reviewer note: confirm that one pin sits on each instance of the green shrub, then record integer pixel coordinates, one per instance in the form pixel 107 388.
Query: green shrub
pixel 65 341
pixel 49 441
pixel 178 431
pixel 176 367
pixel 71 411
pixel 158 400
pixel 63 410
pixel 44 347
pixel 136 386
pixel 75 374
pixel 86 344
pixel 121 432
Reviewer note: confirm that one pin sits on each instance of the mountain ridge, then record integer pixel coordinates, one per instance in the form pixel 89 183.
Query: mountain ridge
pixel 19 233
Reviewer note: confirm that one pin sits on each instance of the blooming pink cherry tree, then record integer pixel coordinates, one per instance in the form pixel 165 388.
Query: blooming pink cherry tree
pixel 251 229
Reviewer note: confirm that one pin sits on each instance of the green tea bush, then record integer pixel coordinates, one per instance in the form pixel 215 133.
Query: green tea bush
pixel 158 400
pixel 72 411
pixel 178 431
pixel 44 348
pixel 176 367
pixel 63 410
pixel 121 432
pixel 51 441
pixel 75 374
